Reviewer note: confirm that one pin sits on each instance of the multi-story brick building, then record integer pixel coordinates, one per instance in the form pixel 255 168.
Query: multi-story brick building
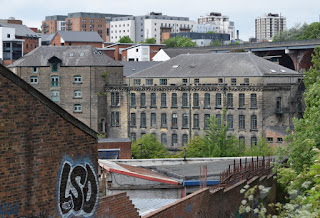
pixel 68 38
pixel 140 28
pixel 79 21
pixel 174 99
pixel 73 77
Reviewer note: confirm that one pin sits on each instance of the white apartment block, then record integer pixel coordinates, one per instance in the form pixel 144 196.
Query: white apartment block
pixel 139 28
pixel 222 23
pixel 203 28
pixel 268 26
pixel 138 53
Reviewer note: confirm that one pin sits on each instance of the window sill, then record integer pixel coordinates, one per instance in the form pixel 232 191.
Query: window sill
pixel 206 107
pixel 77 82
pixel 155 107
pixel 164 127
pixel 253 108
pixel 163 107
pixel 134 107
pixel 173 107
pixel 143 106
pixel 115 106
pixel 230 108
pixel 184 107
pixel 241 108
pixel 77 97
pixel 242 130
pixel 218 107
pixel 185 128
pixel 143 127
pixel 133 126
pixel 197 128
pixel 174 127
pixel 253 130
pixel 77 112
pixel 196 107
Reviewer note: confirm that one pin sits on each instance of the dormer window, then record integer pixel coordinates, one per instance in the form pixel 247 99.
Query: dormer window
pixel 54 67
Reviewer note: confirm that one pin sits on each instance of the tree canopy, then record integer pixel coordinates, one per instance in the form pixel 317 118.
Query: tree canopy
pixel 148 147
pixel 179 41
pixel 150 41
pixel 125 39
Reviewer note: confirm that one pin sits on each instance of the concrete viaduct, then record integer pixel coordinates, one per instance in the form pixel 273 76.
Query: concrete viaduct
pixel 295 55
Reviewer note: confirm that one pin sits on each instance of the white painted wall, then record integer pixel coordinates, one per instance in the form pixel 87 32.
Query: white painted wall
pixel 122 28
pixel 203 28
pixel 142 53
pixel 4 33
pixel 161 56
pixel 61 25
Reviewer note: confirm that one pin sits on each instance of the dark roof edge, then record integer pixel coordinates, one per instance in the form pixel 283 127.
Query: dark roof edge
pixel 46 101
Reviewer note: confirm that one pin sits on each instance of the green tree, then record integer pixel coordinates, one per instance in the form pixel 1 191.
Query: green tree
pixel 151 41
pixel 148 147
pixel 312 31
pixel 261 149
pixel 215 43
pixel 125 39
pixel 211 32
pixel 179 42
pixel 291 34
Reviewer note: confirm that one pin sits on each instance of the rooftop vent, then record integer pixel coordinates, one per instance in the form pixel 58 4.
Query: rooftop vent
pixel 273 71
pixel 175 66
pixel 283 71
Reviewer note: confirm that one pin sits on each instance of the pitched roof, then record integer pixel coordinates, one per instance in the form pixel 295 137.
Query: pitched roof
pixel 79 36
pixel 83 55
pixel 46 101
pixel 131 67
pixel 174 52
pixel 21 30
pixel 214 65
pixel 47 37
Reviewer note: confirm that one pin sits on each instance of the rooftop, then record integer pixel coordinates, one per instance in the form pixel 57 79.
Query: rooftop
pixel 21 30
pixel 80 36
pixel 214 65
pixel 131 67
pixel 83 55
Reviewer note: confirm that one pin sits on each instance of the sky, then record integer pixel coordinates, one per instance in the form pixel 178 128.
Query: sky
pixel 242 12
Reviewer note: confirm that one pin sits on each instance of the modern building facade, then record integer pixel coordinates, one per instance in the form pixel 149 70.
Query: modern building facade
pixel 205 39
pixel 11 49
pixel 54 23
pixel 73 77
pixel 140 28
pixel 268 26
pixel 173 99
pixel 221 22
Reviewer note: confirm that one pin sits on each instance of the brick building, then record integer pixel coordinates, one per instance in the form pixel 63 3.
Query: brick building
pixel 114 148
pixel 43 150
pixel 173 99
pixel 73 77
pixel 69 38
pixel 54 23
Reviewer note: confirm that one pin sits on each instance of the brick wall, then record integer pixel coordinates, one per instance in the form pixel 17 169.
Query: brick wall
pixel 29 44
pixel 268 133
pixel 38 139
pixel 223 203
pixel 118 205
pixel 125 148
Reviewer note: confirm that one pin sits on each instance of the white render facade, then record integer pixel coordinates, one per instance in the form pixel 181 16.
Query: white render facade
pixel 221 22
pixel 10 47
pixel 138 53
pixel 268 26
pixel 203 28
pixel 139 28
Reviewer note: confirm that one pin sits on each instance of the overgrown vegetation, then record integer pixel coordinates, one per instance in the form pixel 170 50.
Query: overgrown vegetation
pixel 179 41
pixel 150 41
pixel 125 39
pixel 298 32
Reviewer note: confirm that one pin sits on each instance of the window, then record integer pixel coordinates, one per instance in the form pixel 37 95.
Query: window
pixel 153 100
pixel 242 140
pixel 195 100
pixel 174 100
pixel 163 81
pixel 77 108
pixel 33 80
pixel 115 119
pixel 220 80
pixel 233 81
pixel 196 121
pixel 55 96
pixel 206 100
pixel 133 136
pixel 8 36
pixel 230 122
pixel 149 82
pixel 218 117
pixel 279 107
pixel 269 139
pixel 174 140
pixel 241 100
pixel 77 79
pixel 54 67
pixel 133 120
pixel 184 99
pixel 163 100
pixel 279 140
pixel 153 120
pixel 102 126
pixel 184 80
pixel 164 139
pixel 196 80
pixel 136 82
pixel 143 100
pixel 184 139
pixel 163 120
pixel 143 120
pixel 230 100
pixel 254 101
pixel 185 121
pixel 174 121
pixel 115 98
pixel 246 81
pixel 133 99
pixel 206 121
pixel 35 69
pixel 254 141
pixel 218 100
pixel 254 122
pixel 54 81
pixel 242 122
pixel 77 94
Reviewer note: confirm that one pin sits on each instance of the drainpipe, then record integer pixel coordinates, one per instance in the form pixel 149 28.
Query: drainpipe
pixel 128 108
pixel 190 130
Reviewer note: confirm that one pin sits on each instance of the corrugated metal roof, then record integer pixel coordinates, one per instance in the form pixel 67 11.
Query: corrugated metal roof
pixel 147 205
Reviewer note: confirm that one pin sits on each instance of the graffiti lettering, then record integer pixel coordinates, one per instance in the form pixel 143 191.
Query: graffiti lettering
pixel 8 209
pixel 78 189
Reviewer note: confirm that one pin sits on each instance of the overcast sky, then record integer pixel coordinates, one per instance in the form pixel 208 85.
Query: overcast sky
pixel 242 12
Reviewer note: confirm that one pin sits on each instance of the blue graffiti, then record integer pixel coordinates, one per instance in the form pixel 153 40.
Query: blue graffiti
pixel 8 209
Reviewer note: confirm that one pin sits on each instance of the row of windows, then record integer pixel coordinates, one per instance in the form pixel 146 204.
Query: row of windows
pixel 196 100
pixel 55 95
pixel 270 139
pixel 137 82
pixel 55 80
pixel 196 121
pixel 184 139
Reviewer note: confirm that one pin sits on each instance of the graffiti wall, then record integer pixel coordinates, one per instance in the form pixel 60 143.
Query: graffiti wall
pixel 78 190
